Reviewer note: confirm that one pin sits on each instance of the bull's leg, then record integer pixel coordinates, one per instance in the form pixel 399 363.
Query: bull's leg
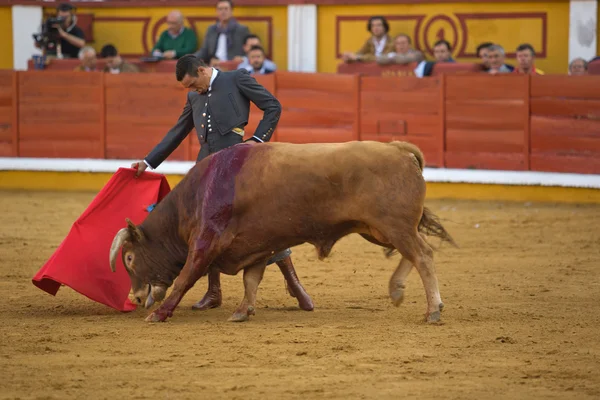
pixel 415 248
pixel 252 277
pixel 397 285
pixel 213 297
pixel 293 284
pixel 195 267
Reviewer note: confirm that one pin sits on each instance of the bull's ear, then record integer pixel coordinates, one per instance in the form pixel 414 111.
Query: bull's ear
pixel 135 231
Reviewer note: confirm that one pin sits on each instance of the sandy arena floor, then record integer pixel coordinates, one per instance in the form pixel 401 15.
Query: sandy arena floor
pixel 521 319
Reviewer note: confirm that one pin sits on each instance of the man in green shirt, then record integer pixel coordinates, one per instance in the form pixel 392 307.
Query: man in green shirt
pixel 177 40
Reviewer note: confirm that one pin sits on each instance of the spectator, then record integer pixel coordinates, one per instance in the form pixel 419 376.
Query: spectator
pixel 495 56
pixel 256 57
pixel 251 41
pixel 482 53
pixel 223 41
pixel 177 40
pixel 578 66
pixel 114 63
pixel 442 51
pixel 403 54
pixel 526 60
pixel 87 55
pixel 72 38
pixel 377 45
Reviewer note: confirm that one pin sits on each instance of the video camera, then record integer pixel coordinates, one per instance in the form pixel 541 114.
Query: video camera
pixel 49 33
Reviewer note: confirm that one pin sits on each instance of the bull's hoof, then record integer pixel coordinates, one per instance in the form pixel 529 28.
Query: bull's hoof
pixel 240 316
pixel 441 307
pixel 397 295
pixel 434 317
pixel 208 302
pixel 156 317
pixel 305 302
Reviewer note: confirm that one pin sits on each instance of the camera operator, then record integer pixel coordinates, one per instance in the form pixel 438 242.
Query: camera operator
pixel 67 34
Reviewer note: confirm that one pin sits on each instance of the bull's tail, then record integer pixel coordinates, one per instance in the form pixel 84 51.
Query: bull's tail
pixel 411 148
pixel 431 226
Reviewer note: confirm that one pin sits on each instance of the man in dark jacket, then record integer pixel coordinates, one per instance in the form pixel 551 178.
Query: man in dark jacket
pixel 218 106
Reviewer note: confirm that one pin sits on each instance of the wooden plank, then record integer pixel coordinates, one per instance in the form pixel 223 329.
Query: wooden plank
pixel 391 101
pixel 313 135
pixel 322 118
pixel 565 145
pixel 328 83
pixel 61 130
pixel 314 100
pixel 566 86
pixel 415 124
pixel 567 127
pixel 485 87
pixel 408 84
pixel 494 161
pixel 484 115
pixel 59 149
pixel 60 80
pixel 564 163
pixel 566 107
pixel 485 141
pixel 124 142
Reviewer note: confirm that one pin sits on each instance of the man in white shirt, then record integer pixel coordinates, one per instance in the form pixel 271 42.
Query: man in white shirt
pixel 223 41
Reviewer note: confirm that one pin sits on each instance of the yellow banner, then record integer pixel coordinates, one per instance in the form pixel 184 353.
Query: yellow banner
pixel 464 25
pixel 6 44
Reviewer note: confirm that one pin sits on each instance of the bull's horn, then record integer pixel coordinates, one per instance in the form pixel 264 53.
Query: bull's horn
pixel 116 245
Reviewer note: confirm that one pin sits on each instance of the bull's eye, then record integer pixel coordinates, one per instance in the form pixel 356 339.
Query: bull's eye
pixel 129 258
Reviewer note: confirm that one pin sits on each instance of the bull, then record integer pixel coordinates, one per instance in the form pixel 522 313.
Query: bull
pixel 239 206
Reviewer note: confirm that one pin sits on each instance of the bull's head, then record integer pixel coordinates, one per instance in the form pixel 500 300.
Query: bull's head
pixel 146 286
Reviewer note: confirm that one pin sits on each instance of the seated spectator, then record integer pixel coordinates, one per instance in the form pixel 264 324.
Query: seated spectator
pixel 482 53
pixel 176 40
pixel 256 57
pixel 87 55
pixel 578 66
pixel 403 54
pixel 223 41
pixel 526 61
pixel 377 45
pixel 250 42
pixel 72 38
pixel 495 56
pixel 114 63
pixel 442 51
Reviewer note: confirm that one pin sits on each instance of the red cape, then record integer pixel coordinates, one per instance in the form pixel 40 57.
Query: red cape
pixel 82 259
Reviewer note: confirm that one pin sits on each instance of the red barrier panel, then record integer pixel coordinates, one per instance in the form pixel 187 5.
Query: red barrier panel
pixel 455 68
pixel 409 109
pixel 140 112
pixel 317 108
pixel 9 138
pixel 487 121
pixel 61 114
pixel 565 123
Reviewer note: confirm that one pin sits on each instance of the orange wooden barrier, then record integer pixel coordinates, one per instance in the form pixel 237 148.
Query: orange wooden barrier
pixel 512 122
pixel 487 121
pixel 317 108
pixel 408 109
pixel 8 114
pixel 61 114
pixel 565 123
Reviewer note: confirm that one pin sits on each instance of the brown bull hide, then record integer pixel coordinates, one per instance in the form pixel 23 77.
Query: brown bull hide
pixel 237 207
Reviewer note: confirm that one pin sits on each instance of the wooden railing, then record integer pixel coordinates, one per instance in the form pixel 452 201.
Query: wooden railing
pixel 514 122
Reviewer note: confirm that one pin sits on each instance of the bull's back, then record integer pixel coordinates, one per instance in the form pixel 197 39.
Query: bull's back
pixel 284 176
